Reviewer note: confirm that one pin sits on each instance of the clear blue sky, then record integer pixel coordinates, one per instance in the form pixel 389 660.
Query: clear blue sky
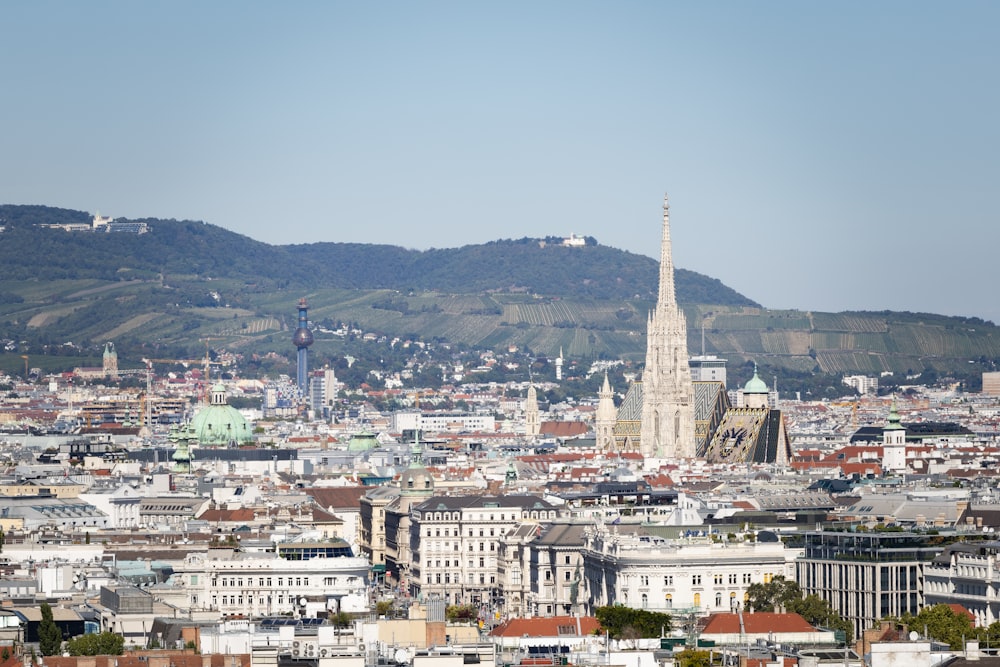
pixel 819 156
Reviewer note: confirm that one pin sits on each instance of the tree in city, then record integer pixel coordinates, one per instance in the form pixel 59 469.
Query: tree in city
pixel 690 657
pixel 104 643
pixel 781 593
pixel 49 634
pixel 942 623
pixel 776 594
pixel 628 623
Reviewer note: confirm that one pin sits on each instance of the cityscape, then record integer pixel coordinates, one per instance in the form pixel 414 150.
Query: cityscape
pixel 503 334
pixel 321 524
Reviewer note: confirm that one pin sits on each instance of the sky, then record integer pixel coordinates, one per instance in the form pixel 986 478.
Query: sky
pixel 818 156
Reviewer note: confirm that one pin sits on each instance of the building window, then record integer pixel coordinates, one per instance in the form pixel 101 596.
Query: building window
pixel 668 580
pixel 718 599
pixel 696 580
pixel 645 601
pixel 717 579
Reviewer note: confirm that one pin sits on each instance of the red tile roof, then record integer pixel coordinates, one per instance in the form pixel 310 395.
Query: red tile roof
pixel 338 497
pixel 756 623
pixel 554 626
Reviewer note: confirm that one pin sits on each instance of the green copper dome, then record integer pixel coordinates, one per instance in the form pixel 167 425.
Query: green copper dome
pixel 362 442
pixel 755 385
pixel 220 424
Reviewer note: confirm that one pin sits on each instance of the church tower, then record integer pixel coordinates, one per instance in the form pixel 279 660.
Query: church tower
pixel 894 442
pixel 532 418
pixel 110 362
pixel 604 419
pixel 667 428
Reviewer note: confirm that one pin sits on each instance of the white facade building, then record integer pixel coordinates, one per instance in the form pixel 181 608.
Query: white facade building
pixel 255 585
pixel 702 574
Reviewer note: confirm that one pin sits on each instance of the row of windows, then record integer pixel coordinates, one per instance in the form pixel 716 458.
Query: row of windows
pixel 668 601
pixel 265 582
pixel 437 577
pixel 696 579
pixel 514 516
pixel 238 600
pixel 456 563
pixel 448 532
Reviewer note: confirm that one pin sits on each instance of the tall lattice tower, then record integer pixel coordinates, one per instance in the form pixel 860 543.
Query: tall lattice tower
pixel 667 428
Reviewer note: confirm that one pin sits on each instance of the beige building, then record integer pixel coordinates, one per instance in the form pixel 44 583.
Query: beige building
pixel 58 489
pixel 991 383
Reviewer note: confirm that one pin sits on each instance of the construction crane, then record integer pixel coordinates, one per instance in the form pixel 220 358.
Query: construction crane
pixel 147 407
pixel 25 357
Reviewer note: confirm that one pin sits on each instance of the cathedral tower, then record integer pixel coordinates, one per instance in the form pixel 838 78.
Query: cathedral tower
pixel 667 428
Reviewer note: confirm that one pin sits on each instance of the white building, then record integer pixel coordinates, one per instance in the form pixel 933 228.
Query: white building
pixel 967 574
pixel 454 542
pixel 121 504
pixel 704 574
pixel 864 384
pixel 442 422
pixel 301 580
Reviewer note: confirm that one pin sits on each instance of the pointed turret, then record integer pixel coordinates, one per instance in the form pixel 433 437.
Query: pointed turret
pixel 605 417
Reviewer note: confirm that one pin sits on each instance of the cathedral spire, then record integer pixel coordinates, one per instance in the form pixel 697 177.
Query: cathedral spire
pixel 667 296
pixel 667 427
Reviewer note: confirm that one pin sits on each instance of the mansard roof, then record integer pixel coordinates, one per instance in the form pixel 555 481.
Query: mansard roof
pixel 452 503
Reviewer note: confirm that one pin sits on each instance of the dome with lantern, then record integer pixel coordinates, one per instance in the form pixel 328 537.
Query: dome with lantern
pixel 219 424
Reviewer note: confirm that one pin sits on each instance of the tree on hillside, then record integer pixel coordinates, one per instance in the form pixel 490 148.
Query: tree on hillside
pixel 49 634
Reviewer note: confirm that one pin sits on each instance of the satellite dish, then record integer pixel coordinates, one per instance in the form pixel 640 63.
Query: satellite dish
pixel 302 602
pixel 914 635
pixel 401 656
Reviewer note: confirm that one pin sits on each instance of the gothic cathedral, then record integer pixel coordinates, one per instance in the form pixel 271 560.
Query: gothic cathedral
pixel 667 426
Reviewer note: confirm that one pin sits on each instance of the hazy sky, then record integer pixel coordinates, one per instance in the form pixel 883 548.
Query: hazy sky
pixel 823 156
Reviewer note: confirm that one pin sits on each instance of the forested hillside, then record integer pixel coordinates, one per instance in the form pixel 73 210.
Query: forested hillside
pixel 166 292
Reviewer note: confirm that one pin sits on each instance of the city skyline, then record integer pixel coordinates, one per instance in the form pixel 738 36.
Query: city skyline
pixel 817 157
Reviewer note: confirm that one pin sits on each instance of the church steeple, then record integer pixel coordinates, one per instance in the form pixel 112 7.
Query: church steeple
pixel 667 296
pixel 604 418
pixel 667 427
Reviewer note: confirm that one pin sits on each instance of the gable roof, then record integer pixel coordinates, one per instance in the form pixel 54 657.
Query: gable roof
pixel 756 623
pixel 555 626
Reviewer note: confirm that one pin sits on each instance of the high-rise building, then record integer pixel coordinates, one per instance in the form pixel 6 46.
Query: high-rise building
pixel 667 426
pixel 707 368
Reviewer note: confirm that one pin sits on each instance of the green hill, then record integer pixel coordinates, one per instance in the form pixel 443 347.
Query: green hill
pixel 166 292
